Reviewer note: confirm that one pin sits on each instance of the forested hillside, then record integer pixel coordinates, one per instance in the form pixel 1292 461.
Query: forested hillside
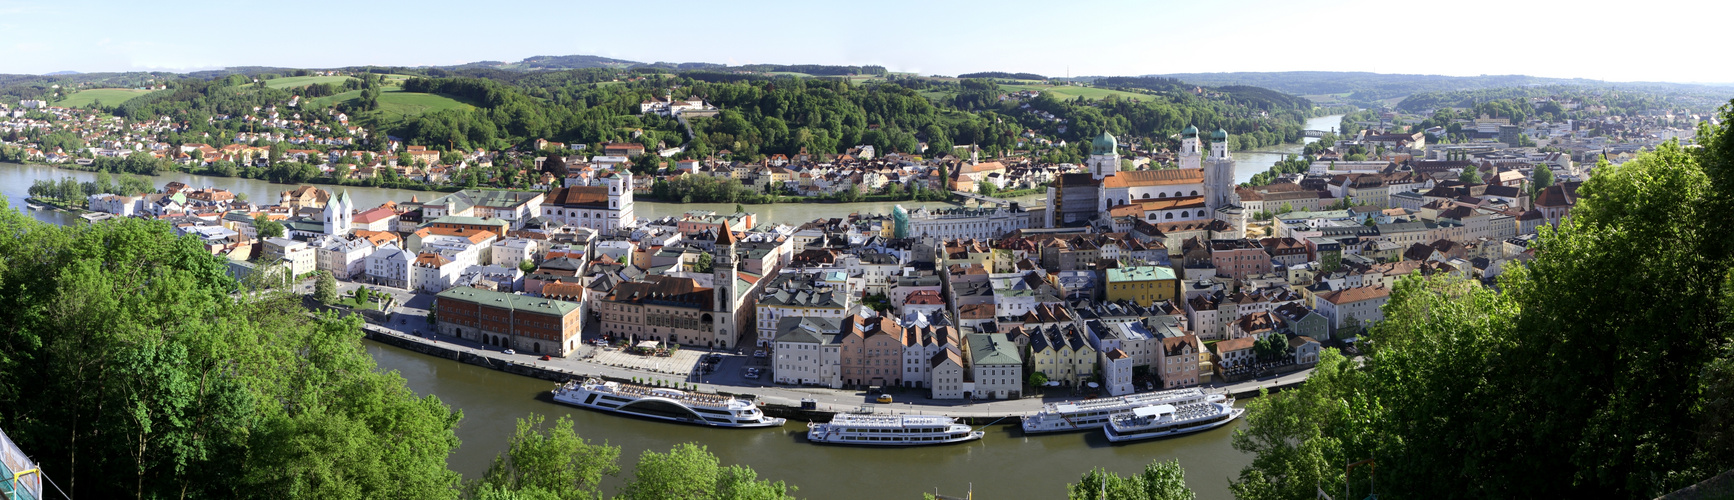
pixel 1370 89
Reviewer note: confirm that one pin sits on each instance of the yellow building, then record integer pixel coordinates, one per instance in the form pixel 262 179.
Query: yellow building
pixel 1143 285
pixel 1062 354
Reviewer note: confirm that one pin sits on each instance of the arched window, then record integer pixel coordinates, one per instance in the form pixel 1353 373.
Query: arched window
pixel 1183 214
pixel 1146 196
pixel 1194 192
pixel 1169 215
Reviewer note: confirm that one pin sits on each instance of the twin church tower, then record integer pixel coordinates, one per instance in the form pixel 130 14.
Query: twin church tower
pixel 1202 184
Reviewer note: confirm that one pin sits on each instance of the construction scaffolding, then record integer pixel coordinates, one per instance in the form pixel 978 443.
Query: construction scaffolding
pixel 19 477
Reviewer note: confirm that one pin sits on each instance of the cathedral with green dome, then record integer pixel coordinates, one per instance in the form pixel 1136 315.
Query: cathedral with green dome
pixel 1199 189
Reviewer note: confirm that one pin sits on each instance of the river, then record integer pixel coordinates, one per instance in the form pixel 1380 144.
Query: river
pixel 1005 464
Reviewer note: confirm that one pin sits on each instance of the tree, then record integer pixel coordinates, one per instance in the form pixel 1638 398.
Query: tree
pixel 690 471
pixel 267 228
pixel 1543 179
pixel 703 265
pixel 527 266
pixel 1160 480
pixel 1470 176
pixel 173 386
pixel 1038 379
pixel 987 188
pixel 1466 391
pixel 548 462
pixel 324 287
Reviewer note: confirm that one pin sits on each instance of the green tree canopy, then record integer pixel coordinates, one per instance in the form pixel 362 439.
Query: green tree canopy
pixel 167 385
pixel 1574 379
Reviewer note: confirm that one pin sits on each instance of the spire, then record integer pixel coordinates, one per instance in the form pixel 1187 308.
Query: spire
pixel 725 236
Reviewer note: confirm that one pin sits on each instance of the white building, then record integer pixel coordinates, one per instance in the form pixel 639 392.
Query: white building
pixel 124 206
pixel 997 366
pixel 1117 372
pixel 947 375
pixel 603 207
pixel 340 215
pixel 1360 304
pixel 300 256
pixel 508 252
pixel 389 266
pixel 807 352
pixel 435 272
pixel 961 223
pixel 343 256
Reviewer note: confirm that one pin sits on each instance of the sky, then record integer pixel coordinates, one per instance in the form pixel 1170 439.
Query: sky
pixel 1657 40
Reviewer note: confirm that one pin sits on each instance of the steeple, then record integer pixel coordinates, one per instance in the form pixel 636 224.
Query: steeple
pixel 724 280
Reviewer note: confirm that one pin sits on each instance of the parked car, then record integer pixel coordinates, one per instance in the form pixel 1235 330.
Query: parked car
pixel 509 351
pixel 546 357
pixel 884 398
pixel 759 353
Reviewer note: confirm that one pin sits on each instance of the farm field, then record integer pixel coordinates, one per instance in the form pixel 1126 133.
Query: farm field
pixel 394 103
pixel 302 81
pixel 109 97
pixel 1075 91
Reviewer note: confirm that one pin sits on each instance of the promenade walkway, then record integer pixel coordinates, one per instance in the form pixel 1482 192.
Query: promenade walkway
pixel 728 378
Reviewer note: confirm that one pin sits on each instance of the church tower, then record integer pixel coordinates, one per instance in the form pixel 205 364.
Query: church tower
pixel 724 280
pixel 1218 173
pixel 340 215
pixel 1190 155
pixel 1104 157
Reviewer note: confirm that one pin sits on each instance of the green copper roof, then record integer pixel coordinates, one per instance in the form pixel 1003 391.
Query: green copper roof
pixel 993 349
pixel 1103 145
pixel 1191 131
pixel 510 301
pixel 1219 135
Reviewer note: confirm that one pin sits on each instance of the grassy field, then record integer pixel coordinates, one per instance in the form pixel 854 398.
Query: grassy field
pixel 394 103
pixel 397 104
pixel 1075 91
pixel 303 81
pixel 109 97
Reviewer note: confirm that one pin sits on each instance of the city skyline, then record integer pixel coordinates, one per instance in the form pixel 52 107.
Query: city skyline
pixel 1086 39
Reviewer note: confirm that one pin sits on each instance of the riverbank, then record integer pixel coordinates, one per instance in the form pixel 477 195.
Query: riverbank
pixel 780 401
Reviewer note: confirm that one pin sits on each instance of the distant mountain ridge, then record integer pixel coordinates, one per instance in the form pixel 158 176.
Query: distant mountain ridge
pixel 1367 88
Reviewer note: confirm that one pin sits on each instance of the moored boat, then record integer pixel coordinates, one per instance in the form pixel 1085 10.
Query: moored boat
pixel 664 404
pixel 891 430
pixel 1156 421
pixel 1094 413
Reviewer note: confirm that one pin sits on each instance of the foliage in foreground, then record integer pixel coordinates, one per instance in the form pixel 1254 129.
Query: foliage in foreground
pixel 1603 368
pixel 553 462
pixel 129 369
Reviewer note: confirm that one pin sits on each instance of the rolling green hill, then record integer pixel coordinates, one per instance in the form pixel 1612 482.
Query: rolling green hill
pixel 394 103
pixel 302 81
pixel 1076 91
pixel 109 97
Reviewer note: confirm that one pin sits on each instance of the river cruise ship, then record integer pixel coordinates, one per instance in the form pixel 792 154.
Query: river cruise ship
pixel 1156 421
pixel 664 404
pixel 1094 413
pixel 891 430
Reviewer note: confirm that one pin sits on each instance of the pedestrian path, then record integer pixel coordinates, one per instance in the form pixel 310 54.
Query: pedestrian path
pixel 592 361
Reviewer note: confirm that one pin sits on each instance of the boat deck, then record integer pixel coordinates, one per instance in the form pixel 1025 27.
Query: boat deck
pixel 682 396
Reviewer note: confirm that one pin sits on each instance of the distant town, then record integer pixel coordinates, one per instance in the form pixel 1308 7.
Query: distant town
pixel 1145 270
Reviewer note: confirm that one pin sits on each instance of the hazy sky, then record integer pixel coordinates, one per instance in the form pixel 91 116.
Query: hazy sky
pixel 1662 40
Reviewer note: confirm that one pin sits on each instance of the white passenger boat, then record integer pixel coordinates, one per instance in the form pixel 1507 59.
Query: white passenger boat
pixel 664 404
pixel 891 430
pixel 1094 413
pixel 1155 421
